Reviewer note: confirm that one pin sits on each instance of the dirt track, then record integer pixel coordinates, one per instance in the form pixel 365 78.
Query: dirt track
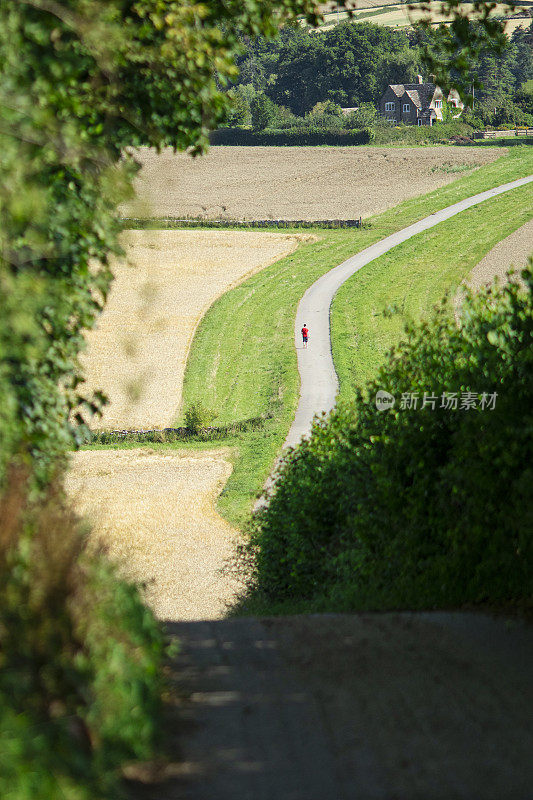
pixel 350 707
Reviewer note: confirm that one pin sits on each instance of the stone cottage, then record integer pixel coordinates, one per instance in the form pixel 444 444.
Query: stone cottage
pixel 416 103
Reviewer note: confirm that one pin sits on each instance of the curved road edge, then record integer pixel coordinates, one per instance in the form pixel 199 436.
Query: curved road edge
pixel 318 380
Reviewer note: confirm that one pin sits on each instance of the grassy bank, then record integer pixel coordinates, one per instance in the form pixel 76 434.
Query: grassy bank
pixel 370 309
pixel 242 362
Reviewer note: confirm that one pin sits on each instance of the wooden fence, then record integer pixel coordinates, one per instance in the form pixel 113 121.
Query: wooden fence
pixel 501 134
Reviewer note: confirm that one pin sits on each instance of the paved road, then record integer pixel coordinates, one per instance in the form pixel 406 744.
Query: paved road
pixel 319 384
pixel 351 707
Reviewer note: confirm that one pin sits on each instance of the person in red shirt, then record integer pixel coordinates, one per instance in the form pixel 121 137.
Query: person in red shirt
pixel 305 334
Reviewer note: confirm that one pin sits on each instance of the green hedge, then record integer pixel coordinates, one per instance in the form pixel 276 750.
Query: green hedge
pixel 440 133
pixel 294 136
pixel 415 508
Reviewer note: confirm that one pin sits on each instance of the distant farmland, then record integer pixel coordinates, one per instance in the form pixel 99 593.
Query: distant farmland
pixel 308 183
pixel 396 15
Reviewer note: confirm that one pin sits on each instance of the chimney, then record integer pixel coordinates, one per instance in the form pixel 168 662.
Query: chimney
pixel 420 79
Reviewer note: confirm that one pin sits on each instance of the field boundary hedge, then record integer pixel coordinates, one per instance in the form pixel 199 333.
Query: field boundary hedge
pixel 169 223
pixel 181 434
pixel 308 136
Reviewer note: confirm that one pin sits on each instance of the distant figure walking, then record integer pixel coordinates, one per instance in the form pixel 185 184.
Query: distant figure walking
pixel 305 334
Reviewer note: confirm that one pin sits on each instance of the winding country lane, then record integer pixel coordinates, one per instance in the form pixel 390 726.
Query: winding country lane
pixel 319 383
pixel 390 706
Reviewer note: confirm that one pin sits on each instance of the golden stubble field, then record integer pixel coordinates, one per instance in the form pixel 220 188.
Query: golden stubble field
pixel 137 353
pixel 310 183
pixel 154 513
pixel 399 16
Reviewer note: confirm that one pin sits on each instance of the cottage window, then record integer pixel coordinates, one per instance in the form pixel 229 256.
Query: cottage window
pixel 438 103
pixel 406 108
pixel 390 106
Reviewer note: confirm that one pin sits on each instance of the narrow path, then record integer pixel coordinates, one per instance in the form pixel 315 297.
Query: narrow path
pixel 319 383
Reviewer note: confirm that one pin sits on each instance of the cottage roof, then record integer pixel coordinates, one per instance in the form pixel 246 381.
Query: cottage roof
pixel 420 93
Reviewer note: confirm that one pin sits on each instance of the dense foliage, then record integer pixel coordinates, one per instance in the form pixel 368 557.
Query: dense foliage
pixel 349 64
pixel 80 657
pixel 416 507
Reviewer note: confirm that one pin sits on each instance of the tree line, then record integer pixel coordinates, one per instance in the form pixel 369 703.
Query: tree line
pixel 305 72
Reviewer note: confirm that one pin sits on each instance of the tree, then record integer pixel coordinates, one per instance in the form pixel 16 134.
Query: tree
pixel 348 64
pixel 262 111
pixel 239 113
pixel 451 51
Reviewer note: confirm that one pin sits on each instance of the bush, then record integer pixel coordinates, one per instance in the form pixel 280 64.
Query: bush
pixel 80 658
pixel 197 416
pixel 294 136
pixel 284 119
pixel 416 508
pixel 502 113
pixel 365 116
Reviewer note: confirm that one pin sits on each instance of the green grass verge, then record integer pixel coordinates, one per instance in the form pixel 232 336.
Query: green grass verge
pixel 370 310
pixel 242 361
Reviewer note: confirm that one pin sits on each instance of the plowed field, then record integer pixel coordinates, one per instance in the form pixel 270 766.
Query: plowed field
pixel 310 183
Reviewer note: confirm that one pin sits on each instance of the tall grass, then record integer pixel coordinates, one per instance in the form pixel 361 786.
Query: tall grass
pixel 80 657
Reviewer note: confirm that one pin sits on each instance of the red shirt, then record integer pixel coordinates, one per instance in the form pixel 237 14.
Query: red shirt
pixel 305 332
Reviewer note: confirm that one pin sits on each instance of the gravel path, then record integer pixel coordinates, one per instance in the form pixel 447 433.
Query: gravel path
pixel 350 707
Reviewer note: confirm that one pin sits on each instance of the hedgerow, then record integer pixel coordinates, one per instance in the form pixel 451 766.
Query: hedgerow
pixel 415 507
pixel 440 133
pixel 292 136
